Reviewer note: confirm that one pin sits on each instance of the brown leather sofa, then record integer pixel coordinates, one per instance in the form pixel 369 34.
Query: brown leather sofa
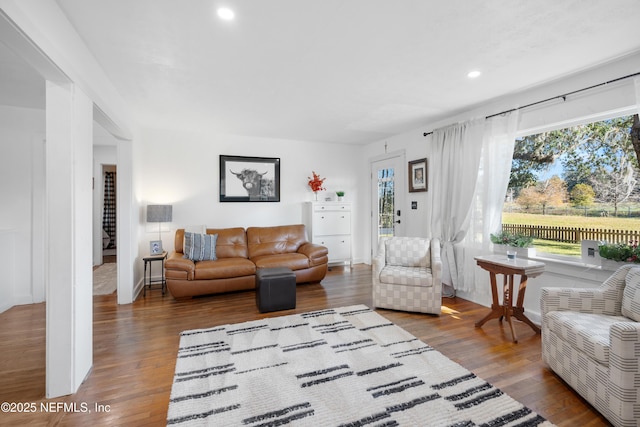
pixel 239 253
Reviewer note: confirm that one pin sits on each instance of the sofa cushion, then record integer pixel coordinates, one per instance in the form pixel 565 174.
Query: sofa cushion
pixel 200 247
pixel 275 240
pixel 224 268
pixel 293 261
pixel 231 243
pixel 588 333
pixel 631 295
pixel 412 276
pixel 408 252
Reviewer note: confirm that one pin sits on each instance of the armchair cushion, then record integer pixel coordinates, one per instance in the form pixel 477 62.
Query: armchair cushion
pixel 399 275
pixel 407 252
pixel 631 295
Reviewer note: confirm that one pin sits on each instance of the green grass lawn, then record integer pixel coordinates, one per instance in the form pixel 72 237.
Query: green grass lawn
pixel 610 223
pixel 570 249
pixel 558 248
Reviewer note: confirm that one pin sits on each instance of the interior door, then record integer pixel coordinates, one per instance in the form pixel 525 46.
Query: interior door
pixel 387 198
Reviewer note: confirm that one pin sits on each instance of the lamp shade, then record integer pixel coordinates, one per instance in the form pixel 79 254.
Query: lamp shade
pixel 159 213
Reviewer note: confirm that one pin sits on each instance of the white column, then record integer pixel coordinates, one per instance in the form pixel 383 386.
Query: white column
pixel 69 117
pixel 127 223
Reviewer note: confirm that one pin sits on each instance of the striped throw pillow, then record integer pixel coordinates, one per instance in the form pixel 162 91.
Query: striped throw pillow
pixel 200 247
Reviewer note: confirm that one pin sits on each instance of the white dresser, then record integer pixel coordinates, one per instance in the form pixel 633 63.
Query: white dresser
pixel 329 224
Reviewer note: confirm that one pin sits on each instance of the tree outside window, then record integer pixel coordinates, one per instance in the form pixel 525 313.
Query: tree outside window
pixel 570 177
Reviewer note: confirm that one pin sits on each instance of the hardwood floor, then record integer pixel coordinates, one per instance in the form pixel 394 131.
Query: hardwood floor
pixel 135 349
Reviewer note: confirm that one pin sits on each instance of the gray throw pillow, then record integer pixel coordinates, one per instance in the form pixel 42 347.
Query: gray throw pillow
pixel 200 247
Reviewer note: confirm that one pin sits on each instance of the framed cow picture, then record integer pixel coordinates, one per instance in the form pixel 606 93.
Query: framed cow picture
pixel 249 179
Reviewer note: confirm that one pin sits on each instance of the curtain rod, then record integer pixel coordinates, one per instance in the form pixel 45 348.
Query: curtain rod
pixel 564 97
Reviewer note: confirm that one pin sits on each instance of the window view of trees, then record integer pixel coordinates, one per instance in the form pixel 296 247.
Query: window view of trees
pixel 587 176
pixel 386 193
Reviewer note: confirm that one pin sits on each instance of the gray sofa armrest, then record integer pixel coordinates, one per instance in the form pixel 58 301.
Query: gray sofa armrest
pixel 605 299
pixel 583 300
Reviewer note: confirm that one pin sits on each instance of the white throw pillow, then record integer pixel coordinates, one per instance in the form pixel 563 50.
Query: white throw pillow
pixel 631 295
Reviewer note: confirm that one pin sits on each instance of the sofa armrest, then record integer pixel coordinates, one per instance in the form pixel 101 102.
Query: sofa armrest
pixel 583 300
pixel 317 254
pixel 176 261
pixel 605 299
pixel 436 262
pixel 624 361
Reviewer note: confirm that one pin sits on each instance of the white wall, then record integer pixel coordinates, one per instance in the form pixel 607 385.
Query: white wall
pixel 182 169
pixel 21 146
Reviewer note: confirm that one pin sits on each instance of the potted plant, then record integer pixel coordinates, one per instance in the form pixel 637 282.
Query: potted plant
pixel 340 195
pixel 506 240
pixel 315 184
pixel 613 255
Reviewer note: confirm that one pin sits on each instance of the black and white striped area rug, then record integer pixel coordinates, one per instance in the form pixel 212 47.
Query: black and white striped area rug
pixel 339 367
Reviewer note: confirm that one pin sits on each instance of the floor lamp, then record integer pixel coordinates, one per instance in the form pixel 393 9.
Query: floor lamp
pixel 159 214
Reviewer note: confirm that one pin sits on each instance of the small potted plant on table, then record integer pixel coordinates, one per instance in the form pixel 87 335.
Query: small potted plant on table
pixel 506 241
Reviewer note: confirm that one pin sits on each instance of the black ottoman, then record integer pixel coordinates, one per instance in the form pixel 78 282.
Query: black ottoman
pixel 275 289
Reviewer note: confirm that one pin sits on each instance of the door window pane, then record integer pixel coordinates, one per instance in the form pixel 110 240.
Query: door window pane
pixel 386 196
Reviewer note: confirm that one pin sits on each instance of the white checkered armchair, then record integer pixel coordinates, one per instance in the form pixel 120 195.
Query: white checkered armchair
pixel 407 275
pixel 591 339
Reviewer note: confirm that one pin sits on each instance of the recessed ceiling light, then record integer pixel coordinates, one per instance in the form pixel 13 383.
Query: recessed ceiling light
pixel 473 74
pixel 226 14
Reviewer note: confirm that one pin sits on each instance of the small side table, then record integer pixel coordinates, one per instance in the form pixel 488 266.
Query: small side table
pixel 148 281
pixel 499 264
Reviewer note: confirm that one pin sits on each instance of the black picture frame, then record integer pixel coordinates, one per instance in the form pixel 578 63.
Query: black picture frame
pixel 249 179
pixel 418 174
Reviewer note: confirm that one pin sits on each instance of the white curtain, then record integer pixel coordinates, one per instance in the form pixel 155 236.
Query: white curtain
pixel 455 154
pixel 492 182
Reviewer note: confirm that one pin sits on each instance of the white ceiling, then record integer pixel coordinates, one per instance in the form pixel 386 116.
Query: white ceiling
pixel 344 71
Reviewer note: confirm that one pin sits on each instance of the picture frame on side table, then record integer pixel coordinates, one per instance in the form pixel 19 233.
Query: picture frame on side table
pixel 155 247
pixel 249 179
pixel 418 175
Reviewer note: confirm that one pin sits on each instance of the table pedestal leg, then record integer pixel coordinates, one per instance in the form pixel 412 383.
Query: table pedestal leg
pixel 506 309
pixel 144 280
pixel 507 303
pixel 518 310
pixel 496 308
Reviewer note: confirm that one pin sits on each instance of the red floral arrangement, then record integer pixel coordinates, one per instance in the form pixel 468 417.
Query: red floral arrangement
pixel 316 182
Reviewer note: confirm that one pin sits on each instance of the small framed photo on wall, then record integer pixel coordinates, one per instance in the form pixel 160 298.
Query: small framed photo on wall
pixel 155 247
pixel 418 175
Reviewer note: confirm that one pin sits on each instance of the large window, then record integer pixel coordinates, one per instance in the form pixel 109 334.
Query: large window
pixel 576 183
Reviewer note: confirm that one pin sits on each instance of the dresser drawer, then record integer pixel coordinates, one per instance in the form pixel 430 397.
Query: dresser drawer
pixel 332 222
pixel 339 247
pixel 332 207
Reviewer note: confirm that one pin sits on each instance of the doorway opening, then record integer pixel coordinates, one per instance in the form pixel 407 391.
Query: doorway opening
pixel 109 232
